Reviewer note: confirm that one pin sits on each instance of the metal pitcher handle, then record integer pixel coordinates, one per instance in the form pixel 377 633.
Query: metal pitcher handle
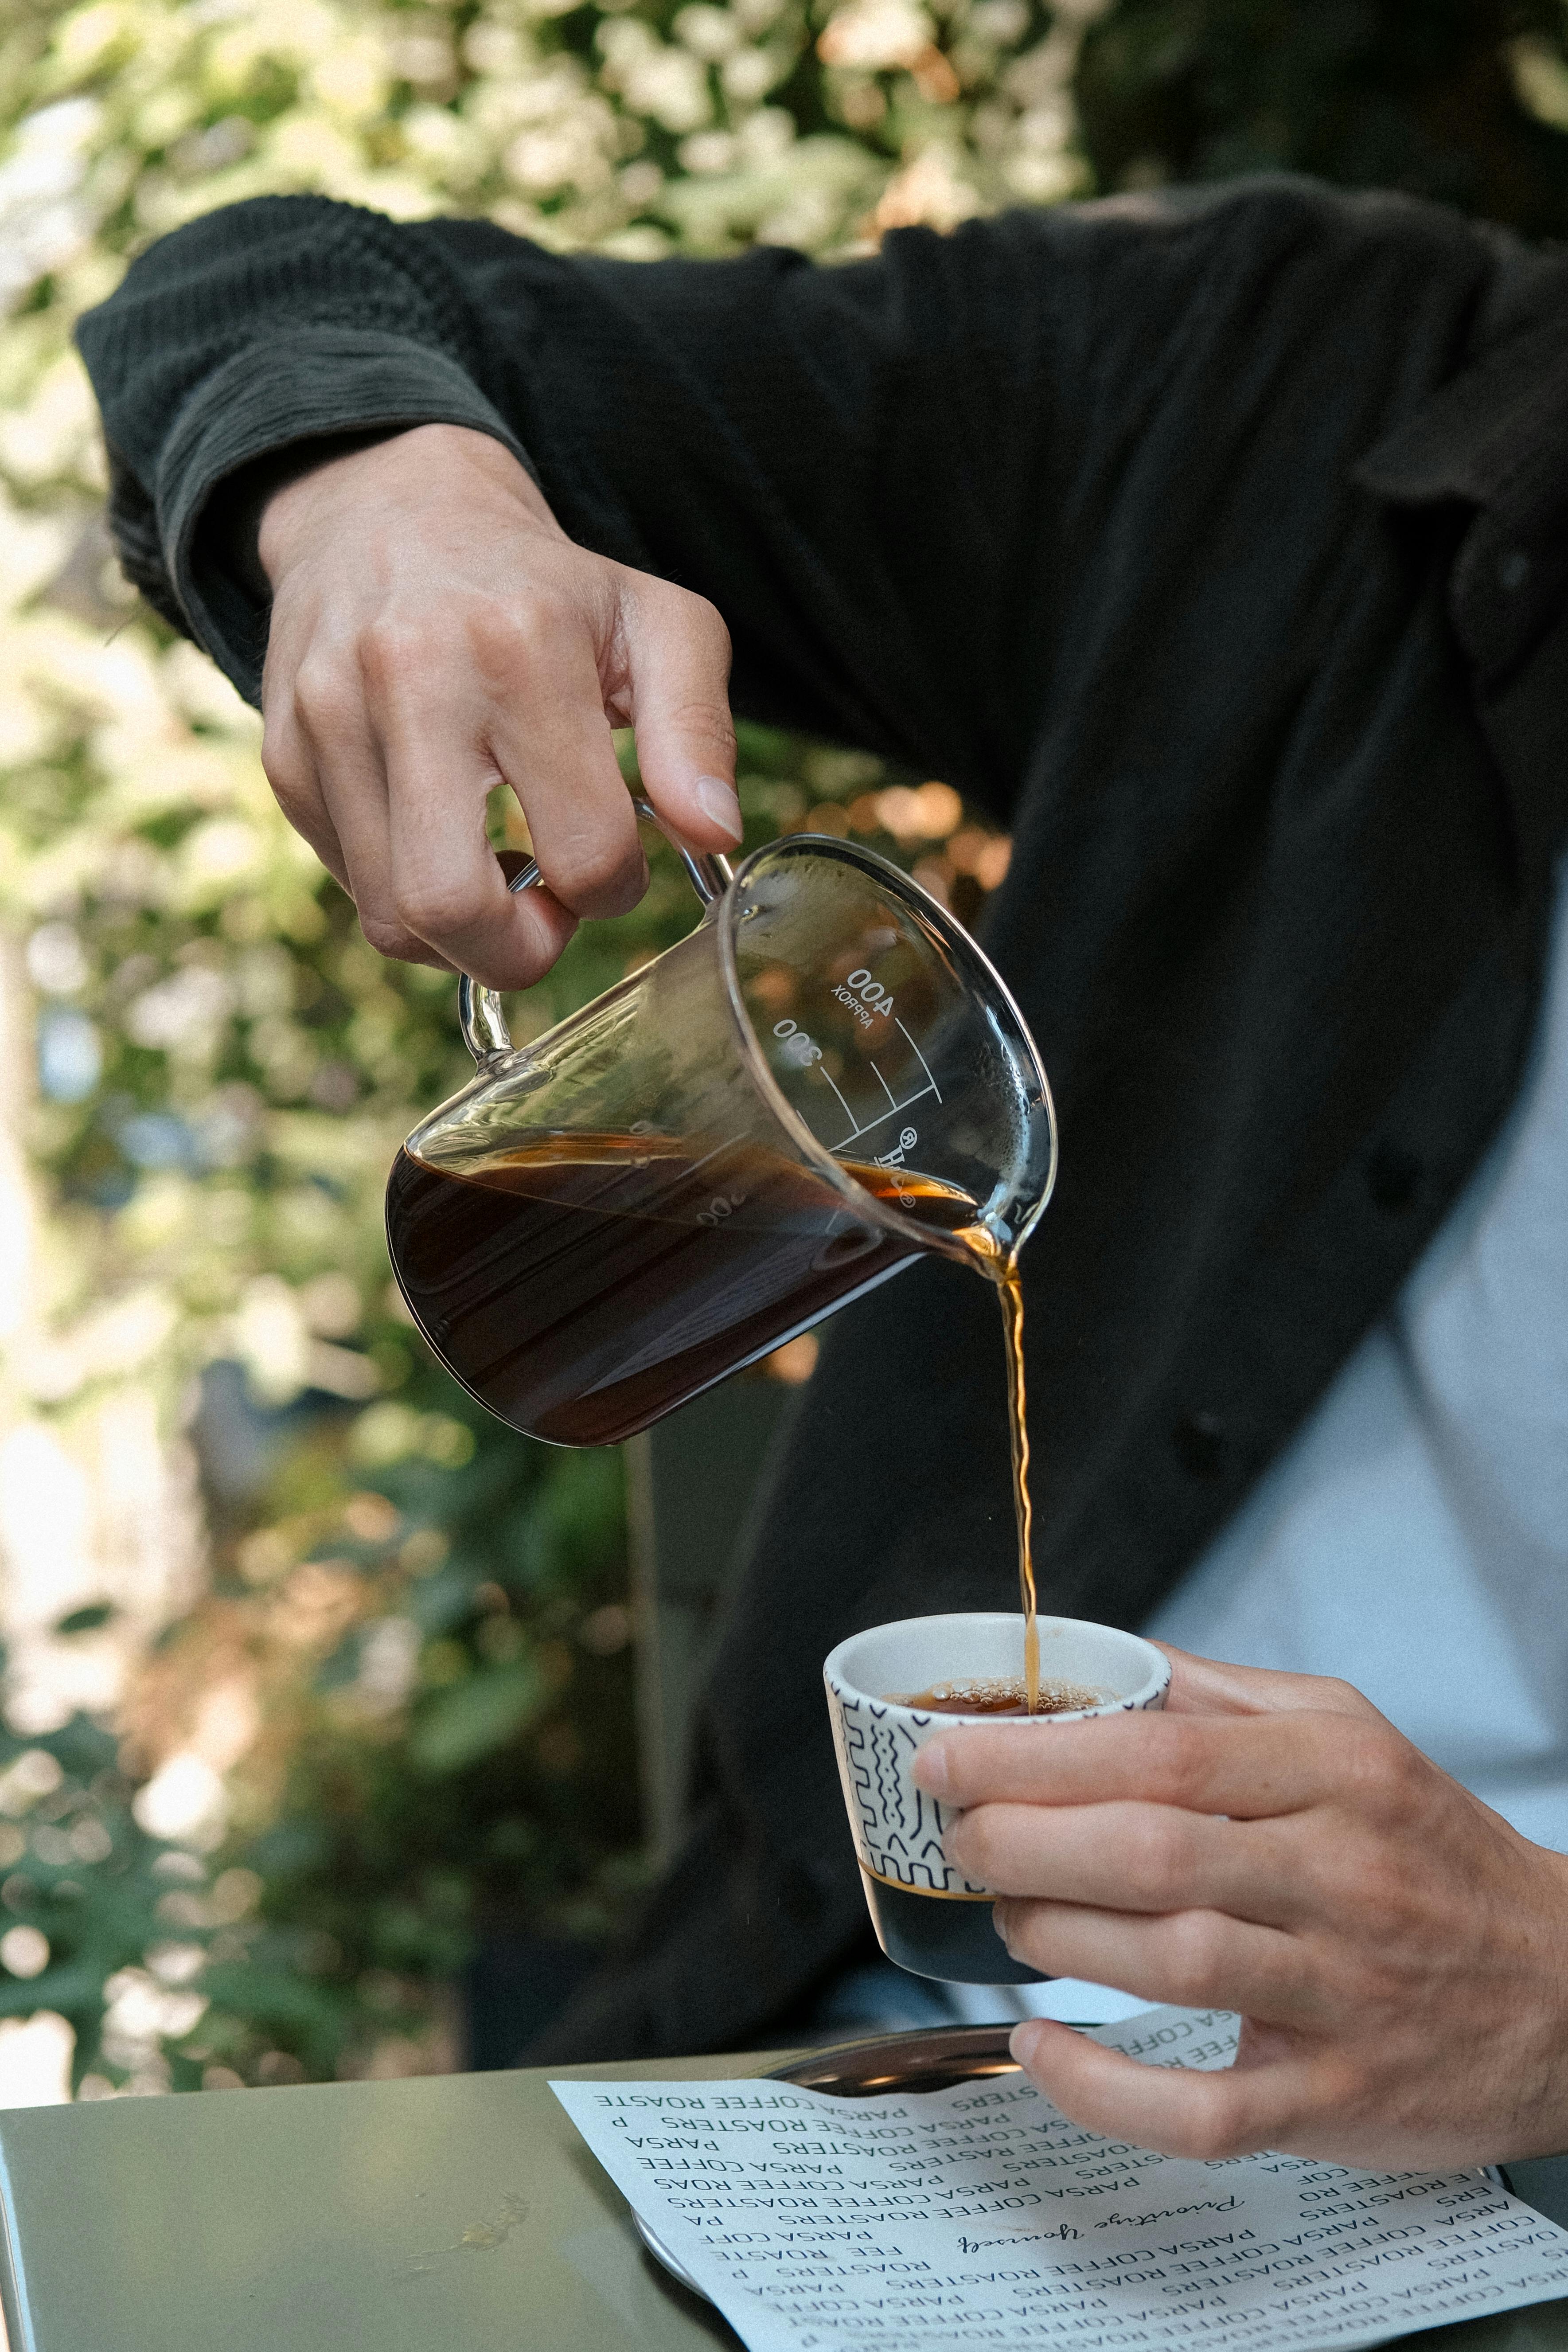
pixel 480 1013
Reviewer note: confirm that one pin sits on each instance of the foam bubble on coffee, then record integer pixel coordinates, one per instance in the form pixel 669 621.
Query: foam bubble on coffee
pixel 998 1695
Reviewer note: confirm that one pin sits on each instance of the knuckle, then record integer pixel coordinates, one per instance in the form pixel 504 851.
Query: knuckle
pixel 691 616
pixel 430 909
pixel 499 633
pixel 522 632
pixel 1156 1855
pixel 597 872
pixel 1213 2131
pixel 705 618
pixel 707 627
pixel 1020 1924
pixel 391 650
pixel 390 937
pixel 1360 1880
pixel 1195 1944
pixel 1372 1892
pixel 707 728
pixel 326 701
pixel 1182 1754
pixel 1383 1773
pixel 285 773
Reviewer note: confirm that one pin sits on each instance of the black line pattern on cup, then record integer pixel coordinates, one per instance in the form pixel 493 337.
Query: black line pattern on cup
pixel 899 1828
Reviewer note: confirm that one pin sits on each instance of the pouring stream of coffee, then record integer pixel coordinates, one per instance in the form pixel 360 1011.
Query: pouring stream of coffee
pixel 1002 1267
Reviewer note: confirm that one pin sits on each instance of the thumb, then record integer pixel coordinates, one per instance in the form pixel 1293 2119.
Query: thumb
pixel 678 660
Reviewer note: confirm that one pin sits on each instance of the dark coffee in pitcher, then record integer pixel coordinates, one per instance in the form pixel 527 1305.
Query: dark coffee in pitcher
pixel 582 1285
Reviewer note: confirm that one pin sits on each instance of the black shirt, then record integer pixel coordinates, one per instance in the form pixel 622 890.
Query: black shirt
pixel 1218 546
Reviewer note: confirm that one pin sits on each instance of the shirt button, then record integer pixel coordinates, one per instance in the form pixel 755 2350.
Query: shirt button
pixel 1514 571
pixel 1199 1441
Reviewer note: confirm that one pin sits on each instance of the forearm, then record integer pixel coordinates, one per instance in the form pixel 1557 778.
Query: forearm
pixel 890 477
pixel 748 428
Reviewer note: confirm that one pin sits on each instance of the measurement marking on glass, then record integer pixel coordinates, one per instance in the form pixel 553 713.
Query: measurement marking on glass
pixel 923 1064
pixel 892 1112
pixel 882 1082
pixel 847 1112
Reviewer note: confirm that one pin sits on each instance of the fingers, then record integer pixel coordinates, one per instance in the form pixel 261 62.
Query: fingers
pixel 677 665
pixel 328 778
pixel 1248 1765
pixel 348 764
pixel 1193 1960
pixel 1205 1686
pixel 1133 1857
pixel 444 900
pixel 290 769
pixel 1177 2110
pixel 438 879
pixel 542 712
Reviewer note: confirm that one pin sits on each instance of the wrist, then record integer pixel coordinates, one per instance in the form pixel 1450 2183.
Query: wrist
pixel 382 473
pixel 1540 2020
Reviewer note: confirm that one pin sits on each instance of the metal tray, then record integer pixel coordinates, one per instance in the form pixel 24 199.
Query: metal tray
pixel 932 2058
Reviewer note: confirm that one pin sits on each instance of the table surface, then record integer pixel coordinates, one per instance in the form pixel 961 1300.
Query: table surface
pixel 457 2213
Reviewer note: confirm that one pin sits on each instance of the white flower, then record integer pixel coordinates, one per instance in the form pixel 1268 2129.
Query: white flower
pixel 139 2012
pixel 183 1803
pixel 36 2055
pixel 388 1660
pixel 750 74
pixel 34 1774
pixel 272 1340
pixel 670 86
pixel 24 1951
pixel 180 1011
pixel 706 151
pixel 56 963
pixel 43 221
pixel 876 35
pixel 710 32
pixel 176 1964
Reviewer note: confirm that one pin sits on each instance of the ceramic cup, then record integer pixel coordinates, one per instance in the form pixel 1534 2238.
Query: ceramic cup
pixel 928 1917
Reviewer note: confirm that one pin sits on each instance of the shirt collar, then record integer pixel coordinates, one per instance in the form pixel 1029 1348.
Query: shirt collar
pixel 1496 437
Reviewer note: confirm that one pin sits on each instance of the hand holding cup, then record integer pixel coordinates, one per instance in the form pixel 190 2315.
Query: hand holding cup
pixel 1270 1844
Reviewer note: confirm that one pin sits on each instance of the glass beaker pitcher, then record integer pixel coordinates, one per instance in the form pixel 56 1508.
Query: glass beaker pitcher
pixel 826 1079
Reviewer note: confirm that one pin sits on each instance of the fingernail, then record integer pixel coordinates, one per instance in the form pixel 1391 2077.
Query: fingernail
pixel 931 1772
pixel 717 802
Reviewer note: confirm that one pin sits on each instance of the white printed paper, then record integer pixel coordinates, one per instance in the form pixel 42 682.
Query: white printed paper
pixel 978 2216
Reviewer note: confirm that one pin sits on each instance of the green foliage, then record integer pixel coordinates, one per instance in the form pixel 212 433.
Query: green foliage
pixel 98 1921
pixel 1463 100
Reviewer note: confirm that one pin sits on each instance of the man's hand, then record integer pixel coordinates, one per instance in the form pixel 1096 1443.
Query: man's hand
pixel 435 633
pixel 1271 1844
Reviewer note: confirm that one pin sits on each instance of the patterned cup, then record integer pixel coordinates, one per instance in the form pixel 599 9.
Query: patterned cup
pixel 928 1917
